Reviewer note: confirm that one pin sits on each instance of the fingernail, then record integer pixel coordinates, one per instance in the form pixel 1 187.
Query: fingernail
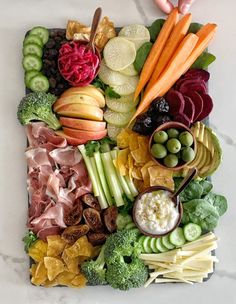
pixel 185 8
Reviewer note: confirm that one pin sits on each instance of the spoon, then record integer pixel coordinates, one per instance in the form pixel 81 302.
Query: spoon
pixel 184 182
pixel 95 22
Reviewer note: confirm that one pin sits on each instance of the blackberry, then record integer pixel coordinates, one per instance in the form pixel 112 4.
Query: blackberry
pixel 143 124
pixel 161 119
pixel 159 105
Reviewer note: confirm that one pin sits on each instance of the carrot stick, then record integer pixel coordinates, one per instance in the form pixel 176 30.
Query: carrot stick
pixel 169 74
pixel 177 35
pixel 156 51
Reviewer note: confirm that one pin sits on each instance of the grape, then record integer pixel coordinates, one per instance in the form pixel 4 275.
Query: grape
pixel 171 160
pixel 173 133
pixel 186 139
pixel 173 145
pixel 160 137
pixel 188 154
pixel 158 151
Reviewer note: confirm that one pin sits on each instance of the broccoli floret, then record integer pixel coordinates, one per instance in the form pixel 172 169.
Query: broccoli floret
pixel 127 274
pixel 38 106
pixel 124 268
pixel 95 271
pixel 123 220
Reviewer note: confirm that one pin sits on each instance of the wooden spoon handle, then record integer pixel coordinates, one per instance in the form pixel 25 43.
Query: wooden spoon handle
pixel 96 19
pixel 185 182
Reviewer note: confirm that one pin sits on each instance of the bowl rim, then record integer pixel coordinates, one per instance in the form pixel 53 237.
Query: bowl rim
pixel 151 189
pixel 163 127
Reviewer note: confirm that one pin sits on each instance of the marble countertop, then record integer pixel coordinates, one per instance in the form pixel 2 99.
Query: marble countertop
pixel 16 17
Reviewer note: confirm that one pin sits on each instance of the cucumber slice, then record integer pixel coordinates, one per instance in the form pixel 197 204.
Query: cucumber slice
pixel 32 62
pixel 111 77
pixel 113 131
pixel 192 232
pixel 129 71
pixel 124 104
pixel 160 246
pixel 39 83
pixel 177 237
pixel 42 32
pixel 166 242
pixel 153 245
pixel 33 39
pixel 135 32
pixel 117 119
pixel 141 240
pixel 127 88
pixel 146 244
pixel 32 49
pixel 130 226
pixel 29 75
pixel 119 53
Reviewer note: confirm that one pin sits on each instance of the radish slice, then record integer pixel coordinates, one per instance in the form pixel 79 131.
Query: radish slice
pixel 127 88
pixel 111 77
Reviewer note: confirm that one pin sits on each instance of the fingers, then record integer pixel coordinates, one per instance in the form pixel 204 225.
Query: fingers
pixel 165 5
pixel 184 6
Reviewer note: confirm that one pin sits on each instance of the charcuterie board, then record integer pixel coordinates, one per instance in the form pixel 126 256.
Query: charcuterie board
pixel 112 132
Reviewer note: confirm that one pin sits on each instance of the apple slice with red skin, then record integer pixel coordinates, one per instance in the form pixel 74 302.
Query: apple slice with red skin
pixel 86 135
pixel 76 99
pixel 81 111
pixel 83 124
pixel 71 140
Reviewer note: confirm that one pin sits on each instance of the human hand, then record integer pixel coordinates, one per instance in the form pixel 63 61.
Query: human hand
pixel 166 6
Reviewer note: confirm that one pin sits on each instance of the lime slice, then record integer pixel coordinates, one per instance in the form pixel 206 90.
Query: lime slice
pixel 113 131
pixel 127 88
pixel 124 104
pixel 135 31
pixel 119 53
pixel 129 71
pixel 117 119
pixel 109 76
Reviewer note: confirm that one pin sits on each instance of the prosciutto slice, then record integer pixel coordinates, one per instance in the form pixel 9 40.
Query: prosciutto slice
pixel 57 177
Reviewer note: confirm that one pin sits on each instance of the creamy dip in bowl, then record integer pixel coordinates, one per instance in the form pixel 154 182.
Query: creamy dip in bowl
pixel 156 213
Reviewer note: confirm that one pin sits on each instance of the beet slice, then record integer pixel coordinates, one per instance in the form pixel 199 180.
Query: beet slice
pixel 197 101
pixel 176 102
pixel 194 84
pixel 207 107
pixel 189 108
pixel 183 119
pixel 197 73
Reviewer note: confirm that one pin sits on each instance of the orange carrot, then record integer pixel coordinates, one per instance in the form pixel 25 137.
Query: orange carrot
pixel 156 51
pixel 177 35
pixel 166 79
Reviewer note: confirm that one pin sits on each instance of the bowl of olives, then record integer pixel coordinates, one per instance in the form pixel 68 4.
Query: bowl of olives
pixel 172 145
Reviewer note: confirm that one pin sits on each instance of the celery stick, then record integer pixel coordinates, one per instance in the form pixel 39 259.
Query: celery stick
pixel 121 178
pixel 90 170
pixel 131 185
pixel 102 177
pixel 112 178
pixel 101 197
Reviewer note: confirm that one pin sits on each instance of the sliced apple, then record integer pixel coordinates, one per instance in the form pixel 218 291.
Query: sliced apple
pixel 89 90
pixel 82 124
pixel 71 140
pixel 86 135
pixel 76 98
pixel 81 111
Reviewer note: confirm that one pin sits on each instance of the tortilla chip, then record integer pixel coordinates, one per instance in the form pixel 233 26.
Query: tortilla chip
pixel 140 155
pixel 145 173
pixel 161 177
pixel 81 247
pixel 56 245
pixel 54 267
pixel 65 278
pixel 123 138
pixel 71 263
pixel 38 250
pixel 79 281
pixel 40 275
pixel 136 173
pixel 133 141
pixel 122 159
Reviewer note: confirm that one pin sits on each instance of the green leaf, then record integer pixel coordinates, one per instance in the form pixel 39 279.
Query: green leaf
pixel 218 201
pixel 29 239
pixel 91 147
pixel 99 84
pixel 141 56
pixel 109 92
pixel 206 185
pixel 203 61
pixel 155 28
pixel 194 27
pixel 127 207
pixel 193 191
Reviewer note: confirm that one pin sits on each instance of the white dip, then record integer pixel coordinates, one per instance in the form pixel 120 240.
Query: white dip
pixel 156 212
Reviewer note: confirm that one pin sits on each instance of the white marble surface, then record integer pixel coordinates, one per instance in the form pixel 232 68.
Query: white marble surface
pixel 17 16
